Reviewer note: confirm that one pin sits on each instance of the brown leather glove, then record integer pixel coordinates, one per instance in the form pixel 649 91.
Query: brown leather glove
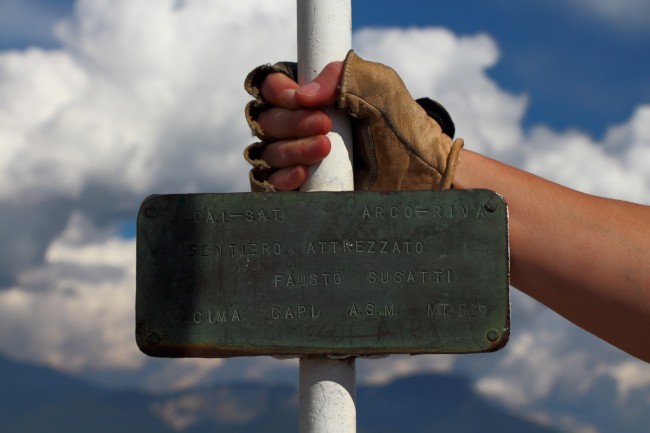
pixel 253 84
pixel 399 143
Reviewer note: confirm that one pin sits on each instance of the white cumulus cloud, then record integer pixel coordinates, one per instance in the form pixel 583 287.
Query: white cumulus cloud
pixel 76 310
pixel 126 109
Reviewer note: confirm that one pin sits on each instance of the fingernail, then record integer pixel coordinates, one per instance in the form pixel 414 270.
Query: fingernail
pixel 309 89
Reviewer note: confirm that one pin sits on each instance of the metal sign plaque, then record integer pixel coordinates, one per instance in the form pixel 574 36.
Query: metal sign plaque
pixel 331 273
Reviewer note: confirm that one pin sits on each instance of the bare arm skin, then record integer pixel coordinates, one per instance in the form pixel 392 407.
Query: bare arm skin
pixel 586 257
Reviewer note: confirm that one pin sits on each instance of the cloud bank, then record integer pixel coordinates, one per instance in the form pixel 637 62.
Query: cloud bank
pixel 146 97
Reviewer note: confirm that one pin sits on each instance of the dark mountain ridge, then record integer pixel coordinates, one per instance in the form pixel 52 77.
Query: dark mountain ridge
pixel 36 399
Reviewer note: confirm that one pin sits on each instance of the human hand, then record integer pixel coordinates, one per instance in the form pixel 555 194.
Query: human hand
pixel 399 143
pixel 294 128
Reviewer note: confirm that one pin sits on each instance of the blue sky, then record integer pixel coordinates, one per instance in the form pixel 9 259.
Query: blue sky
pixel 580 70
pixel 132 98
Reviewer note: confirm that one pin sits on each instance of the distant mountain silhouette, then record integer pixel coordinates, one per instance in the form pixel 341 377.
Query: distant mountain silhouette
pixel 436 404
pixel 37 399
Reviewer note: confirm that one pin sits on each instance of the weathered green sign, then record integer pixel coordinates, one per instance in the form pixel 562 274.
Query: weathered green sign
pixel 337 273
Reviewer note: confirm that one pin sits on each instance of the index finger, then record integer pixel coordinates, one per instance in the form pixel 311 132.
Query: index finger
pixel 280 90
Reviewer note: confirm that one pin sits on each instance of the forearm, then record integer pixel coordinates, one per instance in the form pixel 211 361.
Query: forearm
pixel 583 256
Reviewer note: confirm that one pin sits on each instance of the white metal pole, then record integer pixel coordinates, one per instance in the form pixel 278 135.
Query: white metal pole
pixel 327 395
pixel 324 36
pixel 327 386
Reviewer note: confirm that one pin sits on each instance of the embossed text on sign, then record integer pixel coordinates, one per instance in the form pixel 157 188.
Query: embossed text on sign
pixel 338 273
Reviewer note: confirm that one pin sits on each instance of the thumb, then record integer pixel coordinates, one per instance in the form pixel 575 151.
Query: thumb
pixel 322 91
